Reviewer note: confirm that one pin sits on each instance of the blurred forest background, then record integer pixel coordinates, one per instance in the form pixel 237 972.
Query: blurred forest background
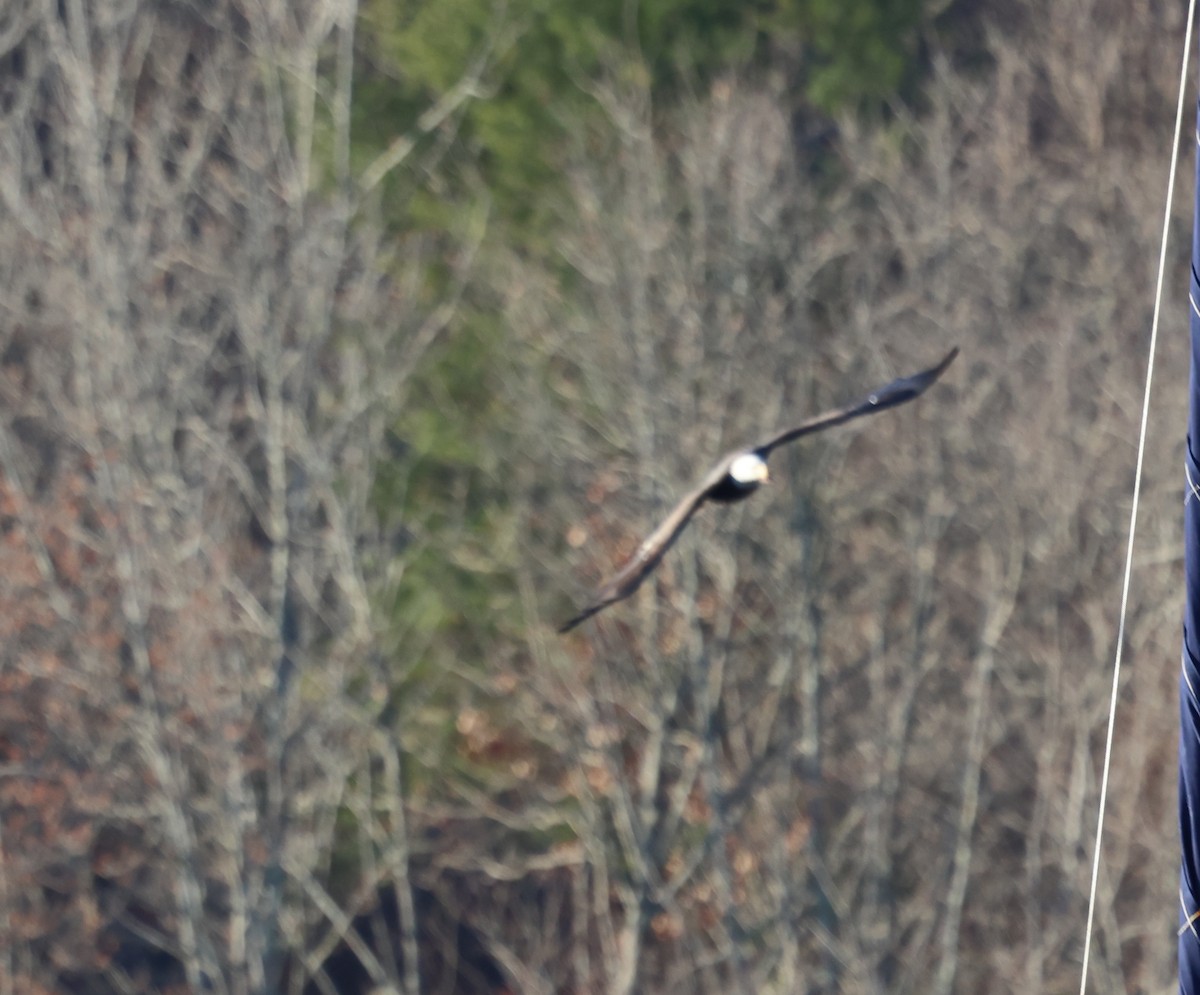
pixel 344 347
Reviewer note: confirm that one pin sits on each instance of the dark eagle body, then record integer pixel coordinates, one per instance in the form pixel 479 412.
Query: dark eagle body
pixel 739 474
pixel 729 490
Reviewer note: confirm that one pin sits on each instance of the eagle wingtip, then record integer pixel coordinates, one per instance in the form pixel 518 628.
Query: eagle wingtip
pixel 575 620
pixel 924 380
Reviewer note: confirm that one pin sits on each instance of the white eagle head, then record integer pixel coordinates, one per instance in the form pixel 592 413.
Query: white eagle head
pixel 749 470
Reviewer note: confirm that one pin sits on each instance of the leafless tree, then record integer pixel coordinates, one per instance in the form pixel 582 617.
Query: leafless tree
pixel 848 739
pixel 204 333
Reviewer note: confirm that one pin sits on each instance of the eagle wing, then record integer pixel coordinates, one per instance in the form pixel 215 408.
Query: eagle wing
pixel 627 580
pixel 887 396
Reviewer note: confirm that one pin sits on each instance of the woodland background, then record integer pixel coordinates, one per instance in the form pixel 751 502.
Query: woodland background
pixel 343 347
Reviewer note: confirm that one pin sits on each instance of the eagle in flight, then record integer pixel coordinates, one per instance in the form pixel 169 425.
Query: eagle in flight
pixel 739 474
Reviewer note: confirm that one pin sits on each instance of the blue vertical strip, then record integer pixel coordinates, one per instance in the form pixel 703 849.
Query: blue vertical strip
pixel 1189 682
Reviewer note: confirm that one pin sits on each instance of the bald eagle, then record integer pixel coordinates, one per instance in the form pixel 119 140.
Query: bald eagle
pixel 739 474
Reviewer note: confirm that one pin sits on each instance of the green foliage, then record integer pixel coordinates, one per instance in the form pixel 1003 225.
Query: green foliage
pixel 543 55
pixel 859 52
pixel 447 490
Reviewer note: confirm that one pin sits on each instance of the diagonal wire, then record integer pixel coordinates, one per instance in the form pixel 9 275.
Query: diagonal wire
pixel 1137 489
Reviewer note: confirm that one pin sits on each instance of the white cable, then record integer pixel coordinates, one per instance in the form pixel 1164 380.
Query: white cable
pixel 1137 489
